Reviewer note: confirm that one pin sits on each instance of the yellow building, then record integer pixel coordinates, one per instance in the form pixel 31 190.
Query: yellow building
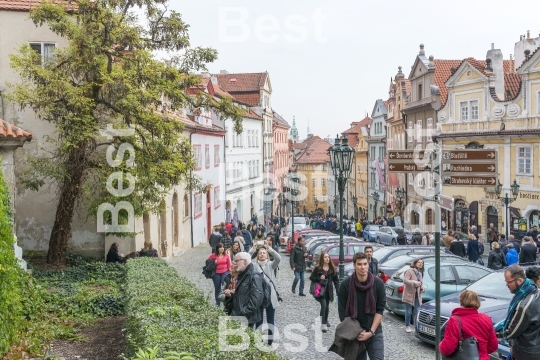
pixel 495 104
pixel 311 164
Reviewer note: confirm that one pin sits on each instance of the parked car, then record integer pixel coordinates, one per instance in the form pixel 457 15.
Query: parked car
pixel 494 296
pixel 349 249
pixel 391 266
pixel 370 232
pixel 307 234
pixel 314 243
pixel 408 234
pixel 386 235
pixel 454 278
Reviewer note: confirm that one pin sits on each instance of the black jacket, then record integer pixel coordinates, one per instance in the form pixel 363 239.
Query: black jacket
pixel 457 247
pixel 215 239
pixel 248 296
pixel 298 258
pixel 374 266
pixel 524 328
pixel 113 256
pixel 331 277
pixel 496 260
pixel 527 254
pixel 247 239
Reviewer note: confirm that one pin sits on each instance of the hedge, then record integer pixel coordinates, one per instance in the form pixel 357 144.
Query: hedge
pixel 168 311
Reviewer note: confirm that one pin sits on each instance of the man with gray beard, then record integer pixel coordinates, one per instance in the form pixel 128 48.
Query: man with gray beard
pixel 248 295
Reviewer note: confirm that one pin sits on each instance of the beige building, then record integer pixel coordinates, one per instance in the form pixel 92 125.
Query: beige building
pixel 495 104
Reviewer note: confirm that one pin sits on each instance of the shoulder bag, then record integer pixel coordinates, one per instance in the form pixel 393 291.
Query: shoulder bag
pixel 280 299
pixel 467 348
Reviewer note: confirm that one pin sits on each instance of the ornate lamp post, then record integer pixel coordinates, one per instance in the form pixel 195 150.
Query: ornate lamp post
pixel 281 202
pixel 354 201
pixel 270 191
pixel 376 198
pixel 335 205
pixel 316 204
pixel 506 200
pixel 400 194
pixel 292 183
pixel 341 159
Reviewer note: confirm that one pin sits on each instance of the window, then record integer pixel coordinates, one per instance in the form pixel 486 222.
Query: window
pixel 410 132
pixel 207 155
pixel 323 184
pixel 227 137
pixel 198 206
pixel 250 167
pixel 469 110
pixel 334 251
pixel 372 153
pixel 249 138
pixel 421 181
pixel 217 201
pixel 430 181
pixel 429 129
pixel 186 206
pixel 411 179
pixel 447 275
pixel 314 198
pixel 419 130
pixel 381 153
pixel 217 158
pixel 420 94
pixel 198 157
pixel 373 182
pixel 46 50
pixel 314 182
pixel 468 274
pixel 524 160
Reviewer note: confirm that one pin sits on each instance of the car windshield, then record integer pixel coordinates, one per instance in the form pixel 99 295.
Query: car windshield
pixel 381 253
pixel 492 285
pixel 398 261
pixel 373 228
pixel 300 220
pixel 398 275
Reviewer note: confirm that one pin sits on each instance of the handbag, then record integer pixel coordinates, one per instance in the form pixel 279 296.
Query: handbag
pixel 467 348
pixel 279 298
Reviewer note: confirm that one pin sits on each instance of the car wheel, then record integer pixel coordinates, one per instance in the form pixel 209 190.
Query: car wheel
pixel 394 242
pixel 378 240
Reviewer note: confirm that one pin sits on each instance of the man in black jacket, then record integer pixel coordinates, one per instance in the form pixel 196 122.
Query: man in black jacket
pixel 298 264
pixel 373 263
pixel 528 251
pixel 248 296
pixel 248 241
pixel 215 239
pixel 365 302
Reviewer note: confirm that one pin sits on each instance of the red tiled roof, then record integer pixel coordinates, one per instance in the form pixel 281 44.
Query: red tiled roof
pixel 512 85
pixel 252 99
pixel 442 73
pixel 24 5
pixel 8 131
pixel 316 151
pixel 247 82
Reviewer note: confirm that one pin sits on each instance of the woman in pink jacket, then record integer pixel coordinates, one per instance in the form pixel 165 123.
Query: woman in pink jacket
pixel 412 292
pixel 223 267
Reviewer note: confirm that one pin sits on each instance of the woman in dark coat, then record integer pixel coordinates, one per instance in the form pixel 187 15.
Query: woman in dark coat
pixel 496 259
pixel 113 255
pixel 325 273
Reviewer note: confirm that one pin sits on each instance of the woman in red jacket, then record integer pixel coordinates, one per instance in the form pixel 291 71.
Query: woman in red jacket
pixel 223 267
pixel 473 323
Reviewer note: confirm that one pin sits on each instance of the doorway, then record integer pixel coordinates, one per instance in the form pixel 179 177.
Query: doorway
pixel 492 217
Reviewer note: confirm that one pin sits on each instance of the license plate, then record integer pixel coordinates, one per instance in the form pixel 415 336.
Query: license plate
pixel 426 330
pixel 389 291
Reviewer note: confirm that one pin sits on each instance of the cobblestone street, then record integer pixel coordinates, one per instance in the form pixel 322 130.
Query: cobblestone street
pixel 305 310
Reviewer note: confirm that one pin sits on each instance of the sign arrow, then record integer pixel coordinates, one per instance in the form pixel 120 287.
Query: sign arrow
pixel 492 168
pixel 392 156
pixel 391 166
pixel 492 181
pixel 491 155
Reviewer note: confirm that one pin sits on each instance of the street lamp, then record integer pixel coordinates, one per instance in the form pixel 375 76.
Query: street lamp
pixel 316 204
pixel 354 201
pixel 506 200
pixel 270 191
pixel 281 202
pixel 335 205
pixel 292 184
pixel 341 159
pixel 376 198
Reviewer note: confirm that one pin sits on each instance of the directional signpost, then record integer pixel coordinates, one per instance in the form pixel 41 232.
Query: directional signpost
pixel 446 202
pixel 469 167
pixel 404 161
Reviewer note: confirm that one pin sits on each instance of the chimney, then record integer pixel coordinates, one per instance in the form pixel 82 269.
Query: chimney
pixel 422 52
pixel 224 72
pixel 496 57
pixel 431 62
pixel 528 34
pixel 214 80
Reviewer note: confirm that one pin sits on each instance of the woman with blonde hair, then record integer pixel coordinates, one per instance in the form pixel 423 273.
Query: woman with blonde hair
pixel 496 258
pixel 466 322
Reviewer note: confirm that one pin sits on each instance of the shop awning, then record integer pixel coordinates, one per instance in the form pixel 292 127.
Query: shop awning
pixel 514 212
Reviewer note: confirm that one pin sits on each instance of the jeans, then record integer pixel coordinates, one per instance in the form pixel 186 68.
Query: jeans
pixel 218 283
pixel 374 348
pixel 270 319
pixel 411 310
pixel 298 275
pixel 325 308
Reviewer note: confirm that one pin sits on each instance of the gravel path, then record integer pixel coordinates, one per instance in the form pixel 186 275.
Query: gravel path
pixel 304 311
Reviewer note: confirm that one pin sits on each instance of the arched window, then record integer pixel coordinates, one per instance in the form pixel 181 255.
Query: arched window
pixel 186 206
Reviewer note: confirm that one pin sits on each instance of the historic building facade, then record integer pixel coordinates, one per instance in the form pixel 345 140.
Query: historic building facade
pixel 376 167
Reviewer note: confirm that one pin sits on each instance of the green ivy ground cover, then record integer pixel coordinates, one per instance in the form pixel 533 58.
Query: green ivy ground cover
pixel 170 312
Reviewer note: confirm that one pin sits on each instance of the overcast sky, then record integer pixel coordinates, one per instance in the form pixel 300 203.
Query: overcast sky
pixel 329 61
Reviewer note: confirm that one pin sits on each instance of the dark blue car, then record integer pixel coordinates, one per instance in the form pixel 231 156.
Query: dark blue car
pixel 495 299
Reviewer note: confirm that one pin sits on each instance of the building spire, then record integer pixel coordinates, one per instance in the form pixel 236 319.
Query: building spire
pixel 294 131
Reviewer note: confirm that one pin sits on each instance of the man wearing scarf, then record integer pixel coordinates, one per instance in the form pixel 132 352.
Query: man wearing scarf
pixel 361 296
pixel 522 324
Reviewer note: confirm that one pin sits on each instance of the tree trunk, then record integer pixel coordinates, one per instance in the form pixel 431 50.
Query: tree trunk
pixel 69 194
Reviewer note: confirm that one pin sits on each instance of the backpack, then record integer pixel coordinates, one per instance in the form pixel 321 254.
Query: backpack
pixel 267 292
pixel 480 248
pixel 209 269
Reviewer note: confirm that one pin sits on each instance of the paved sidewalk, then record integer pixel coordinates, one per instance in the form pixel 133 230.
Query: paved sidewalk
pixel 305 310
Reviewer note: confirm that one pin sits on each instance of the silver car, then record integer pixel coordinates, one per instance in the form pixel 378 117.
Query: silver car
pixel 386 235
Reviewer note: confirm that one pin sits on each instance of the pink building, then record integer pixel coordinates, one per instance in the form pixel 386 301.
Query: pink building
pixel 280 129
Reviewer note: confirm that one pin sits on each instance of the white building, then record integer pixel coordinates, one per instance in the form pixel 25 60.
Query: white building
pixel 244 158
pixel 377 153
